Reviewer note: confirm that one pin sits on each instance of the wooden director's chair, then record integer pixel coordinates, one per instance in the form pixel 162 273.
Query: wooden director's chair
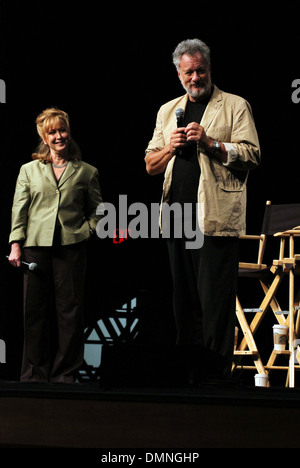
pixel 289 266
pixel 277 218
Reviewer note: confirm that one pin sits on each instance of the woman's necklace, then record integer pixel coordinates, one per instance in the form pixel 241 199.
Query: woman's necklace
pixel 58 167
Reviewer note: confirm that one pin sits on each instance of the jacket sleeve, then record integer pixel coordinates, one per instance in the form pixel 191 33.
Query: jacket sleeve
pixel 243 149
pixel 158 141
pixel 94 199
pixel 20 207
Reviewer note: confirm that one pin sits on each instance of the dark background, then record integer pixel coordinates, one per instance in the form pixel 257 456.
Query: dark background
pixel 110 68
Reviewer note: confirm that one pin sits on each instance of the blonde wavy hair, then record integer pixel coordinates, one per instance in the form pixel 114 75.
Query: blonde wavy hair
pixel 44 122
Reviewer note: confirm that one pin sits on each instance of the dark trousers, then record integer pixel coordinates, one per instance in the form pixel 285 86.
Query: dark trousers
pixel 204 298
pixel 53 313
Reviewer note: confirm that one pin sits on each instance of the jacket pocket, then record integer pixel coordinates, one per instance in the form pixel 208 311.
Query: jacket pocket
pixel 229 180
pixel 231 185
pixel 220 133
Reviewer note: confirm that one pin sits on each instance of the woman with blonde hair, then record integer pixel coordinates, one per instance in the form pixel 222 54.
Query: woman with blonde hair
pixel 53 215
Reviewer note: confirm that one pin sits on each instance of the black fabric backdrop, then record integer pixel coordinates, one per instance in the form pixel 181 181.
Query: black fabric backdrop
pixel 110 68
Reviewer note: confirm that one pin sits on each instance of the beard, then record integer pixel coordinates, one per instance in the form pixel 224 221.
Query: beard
pixel 198 91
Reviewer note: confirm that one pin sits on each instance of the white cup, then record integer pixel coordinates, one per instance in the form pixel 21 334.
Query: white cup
pixel 261 380
pixel 280 333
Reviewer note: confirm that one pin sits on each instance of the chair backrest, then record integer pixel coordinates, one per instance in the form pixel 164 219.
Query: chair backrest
pixel 278 218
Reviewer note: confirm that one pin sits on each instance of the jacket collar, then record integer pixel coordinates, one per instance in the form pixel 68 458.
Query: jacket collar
pixel 68 172
pixel 214 105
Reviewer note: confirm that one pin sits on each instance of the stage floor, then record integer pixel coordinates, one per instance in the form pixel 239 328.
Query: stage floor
pixel 213 415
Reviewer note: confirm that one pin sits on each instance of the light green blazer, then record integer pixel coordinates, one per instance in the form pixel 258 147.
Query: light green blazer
pixel 40 203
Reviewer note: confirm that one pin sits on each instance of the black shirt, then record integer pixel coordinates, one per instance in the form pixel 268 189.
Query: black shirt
pixel 186 170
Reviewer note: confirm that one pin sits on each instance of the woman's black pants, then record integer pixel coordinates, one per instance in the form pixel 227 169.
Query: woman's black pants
pixel 53 313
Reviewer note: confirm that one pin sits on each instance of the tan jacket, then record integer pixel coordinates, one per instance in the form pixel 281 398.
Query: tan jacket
pixel 222 187
pixel 40 202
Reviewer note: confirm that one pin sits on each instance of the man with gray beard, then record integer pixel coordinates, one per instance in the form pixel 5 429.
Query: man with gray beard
pixel 205 159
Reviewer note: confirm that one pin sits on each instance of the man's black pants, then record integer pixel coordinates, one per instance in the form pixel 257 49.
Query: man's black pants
pixel 204 296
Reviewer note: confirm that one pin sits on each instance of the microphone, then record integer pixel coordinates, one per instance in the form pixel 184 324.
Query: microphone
pixel 179 117
pixel 31 266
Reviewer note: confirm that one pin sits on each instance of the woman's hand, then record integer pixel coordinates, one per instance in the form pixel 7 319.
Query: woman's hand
pixel 15 255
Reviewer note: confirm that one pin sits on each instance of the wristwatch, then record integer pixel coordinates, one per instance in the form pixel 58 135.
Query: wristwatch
pixel 216 146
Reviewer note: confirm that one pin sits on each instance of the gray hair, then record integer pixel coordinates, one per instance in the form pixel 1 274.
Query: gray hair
pixel 190 47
